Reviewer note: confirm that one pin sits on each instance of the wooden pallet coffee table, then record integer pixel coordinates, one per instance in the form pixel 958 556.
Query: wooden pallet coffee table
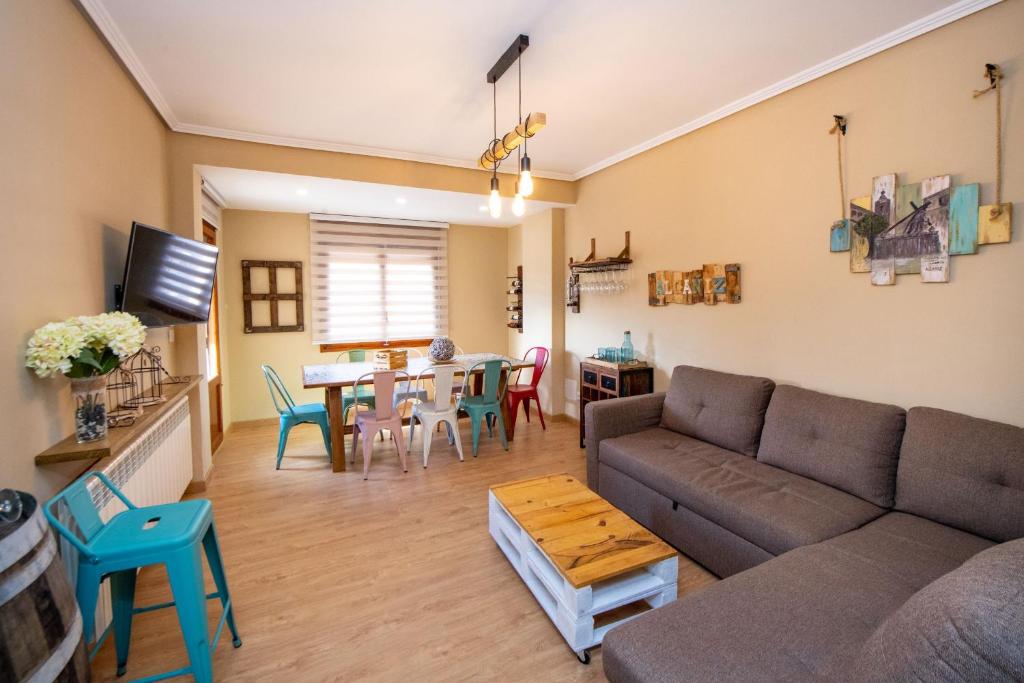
pixel 588 564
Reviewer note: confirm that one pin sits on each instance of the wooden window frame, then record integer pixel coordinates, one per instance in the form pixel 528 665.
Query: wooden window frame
pixel 374 344
pixel 272 296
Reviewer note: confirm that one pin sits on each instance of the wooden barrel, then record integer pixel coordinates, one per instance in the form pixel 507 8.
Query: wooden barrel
pixel 40 624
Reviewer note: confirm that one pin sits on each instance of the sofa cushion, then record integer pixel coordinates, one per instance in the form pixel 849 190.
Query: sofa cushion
pixel 963 471
pixel 717 407
pixel 802 616
pixel 773 509
pixel 850 444
pixel 966 626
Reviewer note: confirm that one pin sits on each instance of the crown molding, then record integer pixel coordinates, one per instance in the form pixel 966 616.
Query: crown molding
pixel 345 148
pixel 914 29
pixel 106 25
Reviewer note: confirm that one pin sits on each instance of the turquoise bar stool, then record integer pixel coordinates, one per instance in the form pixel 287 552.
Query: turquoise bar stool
pixel 291 414
pixel 174 535
pixel 488 402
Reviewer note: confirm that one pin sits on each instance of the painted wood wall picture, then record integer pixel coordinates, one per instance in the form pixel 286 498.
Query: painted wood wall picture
pixel 915 228
pixel 712 284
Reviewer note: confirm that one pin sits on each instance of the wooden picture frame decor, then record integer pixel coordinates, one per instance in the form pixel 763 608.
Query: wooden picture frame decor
pixel 272 296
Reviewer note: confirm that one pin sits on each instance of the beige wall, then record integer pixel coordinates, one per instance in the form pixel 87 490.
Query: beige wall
pixel 537 245
pixel 476 258
pixel 83 155
pixel 759 188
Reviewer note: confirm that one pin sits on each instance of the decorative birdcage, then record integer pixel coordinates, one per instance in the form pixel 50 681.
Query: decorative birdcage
pixel 147 373
pixel 138 382
pixel 121 390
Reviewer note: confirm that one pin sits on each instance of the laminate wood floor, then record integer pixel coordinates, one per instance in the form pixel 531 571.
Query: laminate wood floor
pixel 392 579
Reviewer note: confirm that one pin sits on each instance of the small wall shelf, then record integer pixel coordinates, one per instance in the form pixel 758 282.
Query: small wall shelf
pixel 592 264
pixel 515 300
pixel 118 438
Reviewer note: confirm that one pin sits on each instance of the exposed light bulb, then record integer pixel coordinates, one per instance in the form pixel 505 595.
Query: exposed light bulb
pixel 518 205
pixel 525 178
pixel 494 203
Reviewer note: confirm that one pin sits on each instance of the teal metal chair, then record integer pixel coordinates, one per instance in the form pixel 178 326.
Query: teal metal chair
pixel 174 535
pixel 292 414
pixel 348 396
pixel 488 403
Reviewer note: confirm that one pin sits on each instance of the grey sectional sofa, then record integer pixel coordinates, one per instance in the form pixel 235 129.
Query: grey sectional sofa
pixel 859 541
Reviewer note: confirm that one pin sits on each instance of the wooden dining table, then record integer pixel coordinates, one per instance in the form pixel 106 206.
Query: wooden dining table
pixel 333 377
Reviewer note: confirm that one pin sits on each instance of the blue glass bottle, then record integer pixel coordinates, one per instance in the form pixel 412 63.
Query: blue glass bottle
pixel 626 352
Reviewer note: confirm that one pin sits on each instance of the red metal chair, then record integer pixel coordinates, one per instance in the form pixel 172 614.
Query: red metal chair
pixel 522 393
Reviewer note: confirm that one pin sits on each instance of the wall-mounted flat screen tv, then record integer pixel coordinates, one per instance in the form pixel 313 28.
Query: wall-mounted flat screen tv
pixel 168 280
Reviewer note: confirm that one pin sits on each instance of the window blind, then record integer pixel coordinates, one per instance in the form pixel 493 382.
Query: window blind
pixel 377 279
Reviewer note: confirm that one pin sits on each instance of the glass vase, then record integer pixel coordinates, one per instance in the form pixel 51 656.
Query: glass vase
pixel 90 397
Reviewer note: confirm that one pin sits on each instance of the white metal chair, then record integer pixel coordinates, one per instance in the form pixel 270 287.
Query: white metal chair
pixel 441 409
pixel 416 396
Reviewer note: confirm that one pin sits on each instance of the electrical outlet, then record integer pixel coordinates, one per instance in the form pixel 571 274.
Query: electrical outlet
pixel 572 389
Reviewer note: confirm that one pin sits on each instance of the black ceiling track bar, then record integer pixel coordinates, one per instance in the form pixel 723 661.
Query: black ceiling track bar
pixel 517 48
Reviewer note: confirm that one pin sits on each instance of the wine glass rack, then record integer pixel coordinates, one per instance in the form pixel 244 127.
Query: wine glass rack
pixel 592 264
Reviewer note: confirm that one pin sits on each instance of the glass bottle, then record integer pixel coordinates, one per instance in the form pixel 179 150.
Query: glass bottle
pixel 626 352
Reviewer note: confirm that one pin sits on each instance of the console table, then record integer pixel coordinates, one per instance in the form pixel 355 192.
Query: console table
pixel 600 380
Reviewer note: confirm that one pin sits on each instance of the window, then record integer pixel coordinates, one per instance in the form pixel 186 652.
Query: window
pixel 377 280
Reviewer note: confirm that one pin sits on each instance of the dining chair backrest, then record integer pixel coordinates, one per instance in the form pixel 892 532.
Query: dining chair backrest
pixel 492 384
pixel 79 504
pixel 278 392
pixel 411 350
pixel 444 383
pixel 383 389
pixel 352 356
pixel 540 361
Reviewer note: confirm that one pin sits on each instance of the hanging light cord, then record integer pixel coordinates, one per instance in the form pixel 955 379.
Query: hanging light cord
pixel 494 112
pixel 519 161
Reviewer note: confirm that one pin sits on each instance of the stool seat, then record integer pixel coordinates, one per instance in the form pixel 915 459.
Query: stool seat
pixel 152 529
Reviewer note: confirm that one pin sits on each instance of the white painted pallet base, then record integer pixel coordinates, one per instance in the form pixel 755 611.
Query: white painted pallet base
pixel 572 610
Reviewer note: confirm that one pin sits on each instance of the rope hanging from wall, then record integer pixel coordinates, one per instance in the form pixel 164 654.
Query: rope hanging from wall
pixel 995 78
pixel 839 130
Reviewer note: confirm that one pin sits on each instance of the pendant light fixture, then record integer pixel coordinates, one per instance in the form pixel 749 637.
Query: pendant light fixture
pixel 494 204
pixel 524 188
pixel 502 147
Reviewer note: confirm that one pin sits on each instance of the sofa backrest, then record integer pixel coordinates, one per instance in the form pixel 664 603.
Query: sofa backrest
pixel 964 626
pixel 849 444
pixel 964 472
pixel 718 407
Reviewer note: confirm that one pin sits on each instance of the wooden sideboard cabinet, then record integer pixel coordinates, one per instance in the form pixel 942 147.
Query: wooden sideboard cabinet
pixel 600 380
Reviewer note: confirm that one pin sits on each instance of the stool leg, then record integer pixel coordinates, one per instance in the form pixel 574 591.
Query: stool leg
pixel 185 570
pixel 213 559
pixel 122 594
pixel 87 592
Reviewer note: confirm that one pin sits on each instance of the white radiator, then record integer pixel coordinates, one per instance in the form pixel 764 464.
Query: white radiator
pixel 155 469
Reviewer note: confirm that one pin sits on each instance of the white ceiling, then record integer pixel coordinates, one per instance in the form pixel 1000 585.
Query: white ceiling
pixel 262 191
pixel 405 78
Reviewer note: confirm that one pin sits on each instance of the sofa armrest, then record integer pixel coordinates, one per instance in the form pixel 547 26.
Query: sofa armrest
pixel 616 417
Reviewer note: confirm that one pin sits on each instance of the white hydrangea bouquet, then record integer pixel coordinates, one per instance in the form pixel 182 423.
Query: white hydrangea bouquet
pixel 86 349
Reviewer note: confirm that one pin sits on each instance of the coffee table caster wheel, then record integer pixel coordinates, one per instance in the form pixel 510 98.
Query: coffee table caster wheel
pixel 584 658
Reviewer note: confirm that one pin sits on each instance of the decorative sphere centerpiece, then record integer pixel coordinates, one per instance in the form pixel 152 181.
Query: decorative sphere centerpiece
pixel 441 349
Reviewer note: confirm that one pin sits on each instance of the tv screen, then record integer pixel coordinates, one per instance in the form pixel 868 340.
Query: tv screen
pixel 168 280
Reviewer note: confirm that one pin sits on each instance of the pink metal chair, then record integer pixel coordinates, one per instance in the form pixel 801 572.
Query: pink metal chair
pixel 384 416
pixel 523 393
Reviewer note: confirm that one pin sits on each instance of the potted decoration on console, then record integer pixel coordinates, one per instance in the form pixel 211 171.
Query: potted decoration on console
pixel 86 350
